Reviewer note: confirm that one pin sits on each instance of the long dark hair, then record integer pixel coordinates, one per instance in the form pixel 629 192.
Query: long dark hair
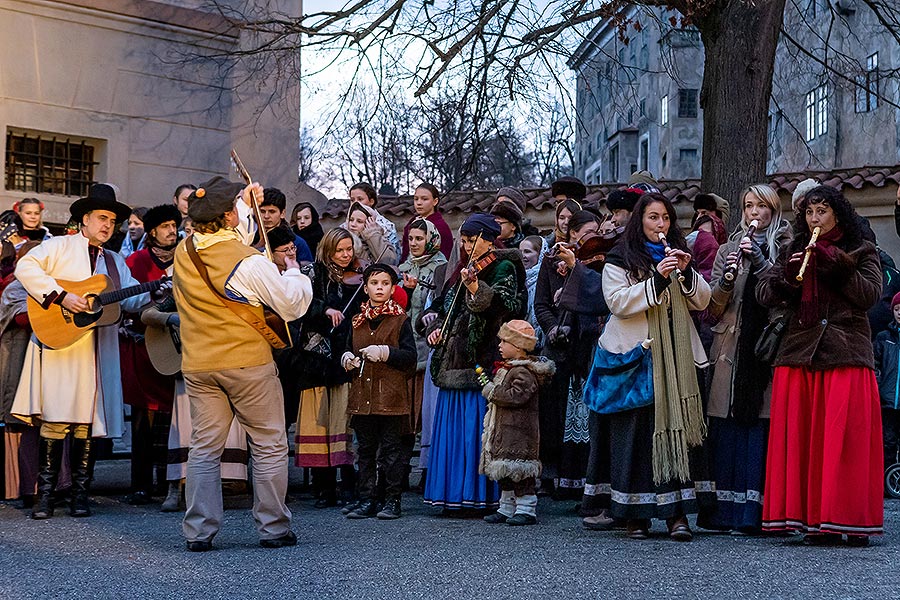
pixel 844 213
pixel 632 247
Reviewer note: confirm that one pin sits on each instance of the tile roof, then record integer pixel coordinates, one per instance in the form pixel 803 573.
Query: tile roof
pixel 676 190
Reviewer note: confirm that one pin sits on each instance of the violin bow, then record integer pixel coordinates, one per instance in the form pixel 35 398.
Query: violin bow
pixel 458 290
pixel 254 203
pixel 359 287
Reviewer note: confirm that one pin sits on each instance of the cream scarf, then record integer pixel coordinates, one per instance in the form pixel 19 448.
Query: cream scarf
pixel 679 422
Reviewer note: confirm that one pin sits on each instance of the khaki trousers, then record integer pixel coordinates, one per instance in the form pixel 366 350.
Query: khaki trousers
pixel 253 396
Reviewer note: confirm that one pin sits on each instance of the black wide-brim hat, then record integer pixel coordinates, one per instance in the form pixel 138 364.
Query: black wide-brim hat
pixel 100 197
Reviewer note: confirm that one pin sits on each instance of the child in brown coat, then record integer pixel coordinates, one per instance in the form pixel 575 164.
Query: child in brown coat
pixel 511 438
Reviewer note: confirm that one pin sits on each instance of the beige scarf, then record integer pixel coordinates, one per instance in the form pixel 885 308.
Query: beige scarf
pixel 679 422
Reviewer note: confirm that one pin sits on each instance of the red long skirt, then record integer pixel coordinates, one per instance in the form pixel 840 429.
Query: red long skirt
pixel 825 467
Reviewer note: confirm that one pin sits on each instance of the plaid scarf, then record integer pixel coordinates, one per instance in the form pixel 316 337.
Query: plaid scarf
pixel 369 312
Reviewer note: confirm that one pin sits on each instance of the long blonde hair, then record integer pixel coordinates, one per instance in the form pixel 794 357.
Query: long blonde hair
pixel 770 198
pixel 328 246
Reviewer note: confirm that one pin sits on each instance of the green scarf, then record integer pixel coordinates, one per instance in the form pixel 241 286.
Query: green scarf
pixel 679 422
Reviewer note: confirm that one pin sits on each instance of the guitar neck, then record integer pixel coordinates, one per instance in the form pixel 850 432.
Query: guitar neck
pixel 119 295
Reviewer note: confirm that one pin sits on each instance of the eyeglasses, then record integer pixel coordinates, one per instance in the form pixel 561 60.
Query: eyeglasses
pixel 292 249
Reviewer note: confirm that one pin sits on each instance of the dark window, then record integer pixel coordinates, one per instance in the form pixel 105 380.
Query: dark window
pixel 687 104
pixel 48 164
pixel 867 86
pixel 614 163
pixel 687 154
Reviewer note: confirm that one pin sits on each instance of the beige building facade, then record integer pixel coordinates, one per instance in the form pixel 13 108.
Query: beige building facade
pixel 129 92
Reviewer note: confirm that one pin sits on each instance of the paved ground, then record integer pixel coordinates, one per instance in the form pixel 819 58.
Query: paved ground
pixel 131 552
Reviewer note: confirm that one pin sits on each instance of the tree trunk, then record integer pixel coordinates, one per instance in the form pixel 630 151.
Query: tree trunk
pixel 739 40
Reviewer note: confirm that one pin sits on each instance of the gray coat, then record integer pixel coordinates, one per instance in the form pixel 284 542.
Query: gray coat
pixel 725 308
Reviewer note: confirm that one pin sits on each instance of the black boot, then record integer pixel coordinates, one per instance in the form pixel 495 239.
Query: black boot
pixel 50 461
pixel 82 473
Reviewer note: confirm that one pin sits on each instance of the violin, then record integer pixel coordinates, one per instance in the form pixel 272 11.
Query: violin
pixel 482 263
pixel 353 275
pixel 592 249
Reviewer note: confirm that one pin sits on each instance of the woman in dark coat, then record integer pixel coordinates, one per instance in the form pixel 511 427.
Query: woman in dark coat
pixel 312 369
pixel 305 223
pixel 571 338
pixel 824 469
pixel 492 292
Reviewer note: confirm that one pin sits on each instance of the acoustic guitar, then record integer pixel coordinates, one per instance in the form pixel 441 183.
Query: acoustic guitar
pixel 164 348
pixel 57 327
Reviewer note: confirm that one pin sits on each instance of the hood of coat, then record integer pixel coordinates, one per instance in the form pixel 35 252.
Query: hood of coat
pixel 542 367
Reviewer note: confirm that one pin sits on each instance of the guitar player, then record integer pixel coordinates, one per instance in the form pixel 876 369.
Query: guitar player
pixel 76 389
pixel 227 362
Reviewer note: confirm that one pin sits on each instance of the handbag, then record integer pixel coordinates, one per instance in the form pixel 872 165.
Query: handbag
pixel 619 382
pixel 769 341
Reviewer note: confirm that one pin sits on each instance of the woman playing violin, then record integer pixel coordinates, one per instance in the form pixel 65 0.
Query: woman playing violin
pixel 489 291
pixel 570 340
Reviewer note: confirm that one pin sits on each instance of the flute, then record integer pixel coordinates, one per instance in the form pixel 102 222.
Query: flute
pixel 731 271
pixel 665 242
pixel 812 240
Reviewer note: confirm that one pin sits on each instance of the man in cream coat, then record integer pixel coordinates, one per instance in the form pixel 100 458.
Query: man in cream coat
pixel 78 389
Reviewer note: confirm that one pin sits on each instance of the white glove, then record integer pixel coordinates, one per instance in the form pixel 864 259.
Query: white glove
pixel 375 353
pixel 349 361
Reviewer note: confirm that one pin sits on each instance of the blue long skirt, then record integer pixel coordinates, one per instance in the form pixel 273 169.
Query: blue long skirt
pixel 738 456
pixel 453 480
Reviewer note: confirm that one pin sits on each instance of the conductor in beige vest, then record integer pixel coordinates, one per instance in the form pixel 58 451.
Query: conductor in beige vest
pixel 227 363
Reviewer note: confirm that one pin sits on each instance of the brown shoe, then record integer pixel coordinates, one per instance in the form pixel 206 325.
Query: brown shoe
pixel 679 530
pixel 601 522
pixel 637 529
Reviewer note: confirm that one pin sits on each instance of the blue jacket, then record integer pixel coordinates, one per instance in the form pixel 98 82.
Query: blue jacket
pixel 887 366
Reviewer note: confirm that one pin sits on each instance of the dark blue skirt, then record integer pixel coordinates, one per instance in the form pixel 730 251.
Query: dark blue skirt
pixel 738 457
pixel 453 480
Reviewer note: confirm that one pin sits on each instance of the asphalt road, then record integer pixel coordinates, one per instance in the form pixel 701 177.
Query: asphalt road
pixel 137 552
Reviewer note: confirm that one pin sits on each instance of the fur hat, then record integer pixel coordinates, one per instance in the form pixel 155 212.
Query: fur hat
pixel 800 191
pixel 101 196
pixel 713 202
pixel 515 195
pixel 508 211
pixel 644 180
pixel 570 187
pixel 483 224
pixel 518 333
pixel 158 215
pixel 622 199
pixel 213 199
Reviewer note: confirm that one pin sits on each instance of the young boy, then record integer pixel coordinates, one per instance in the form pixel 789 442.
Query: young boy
pixel 510 443
pixel 887 369
pixel 381 347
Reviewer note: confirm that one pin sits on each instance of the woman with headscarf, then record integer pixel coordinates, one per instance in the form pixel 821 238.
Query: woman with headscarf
pixel 740 393
pixel 422 275
pixel 305 223
pixel 370 241
pixel 485 292
pixel 564 211
pixel 824 467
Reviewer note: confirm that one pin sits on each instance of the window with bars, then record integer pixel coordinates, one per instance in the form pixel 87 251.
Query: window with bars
pixel 687 104
pixel 48 164
pixel 817 113
pixel 867 86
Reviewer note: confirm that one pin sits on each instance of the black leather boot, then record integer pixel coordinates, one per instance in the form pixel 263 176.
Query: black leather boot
pixel 50 459
pixel 82 473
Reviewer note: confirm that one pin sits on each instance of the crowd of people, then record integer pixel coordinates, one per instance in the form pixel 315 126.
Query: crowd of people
pixel 646 371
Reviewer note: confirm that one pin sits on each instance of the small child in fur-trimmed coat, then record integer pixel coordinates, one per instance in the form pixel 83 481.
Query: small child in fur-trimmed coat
pixel 511 438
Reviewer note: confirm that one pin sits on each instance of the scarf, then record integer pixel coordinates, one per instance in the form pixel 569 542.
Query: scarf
pixel 432 244
pixel 369 312
pixel 679 423
pixel 809 296
pixel 656 250
pixel 162 256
